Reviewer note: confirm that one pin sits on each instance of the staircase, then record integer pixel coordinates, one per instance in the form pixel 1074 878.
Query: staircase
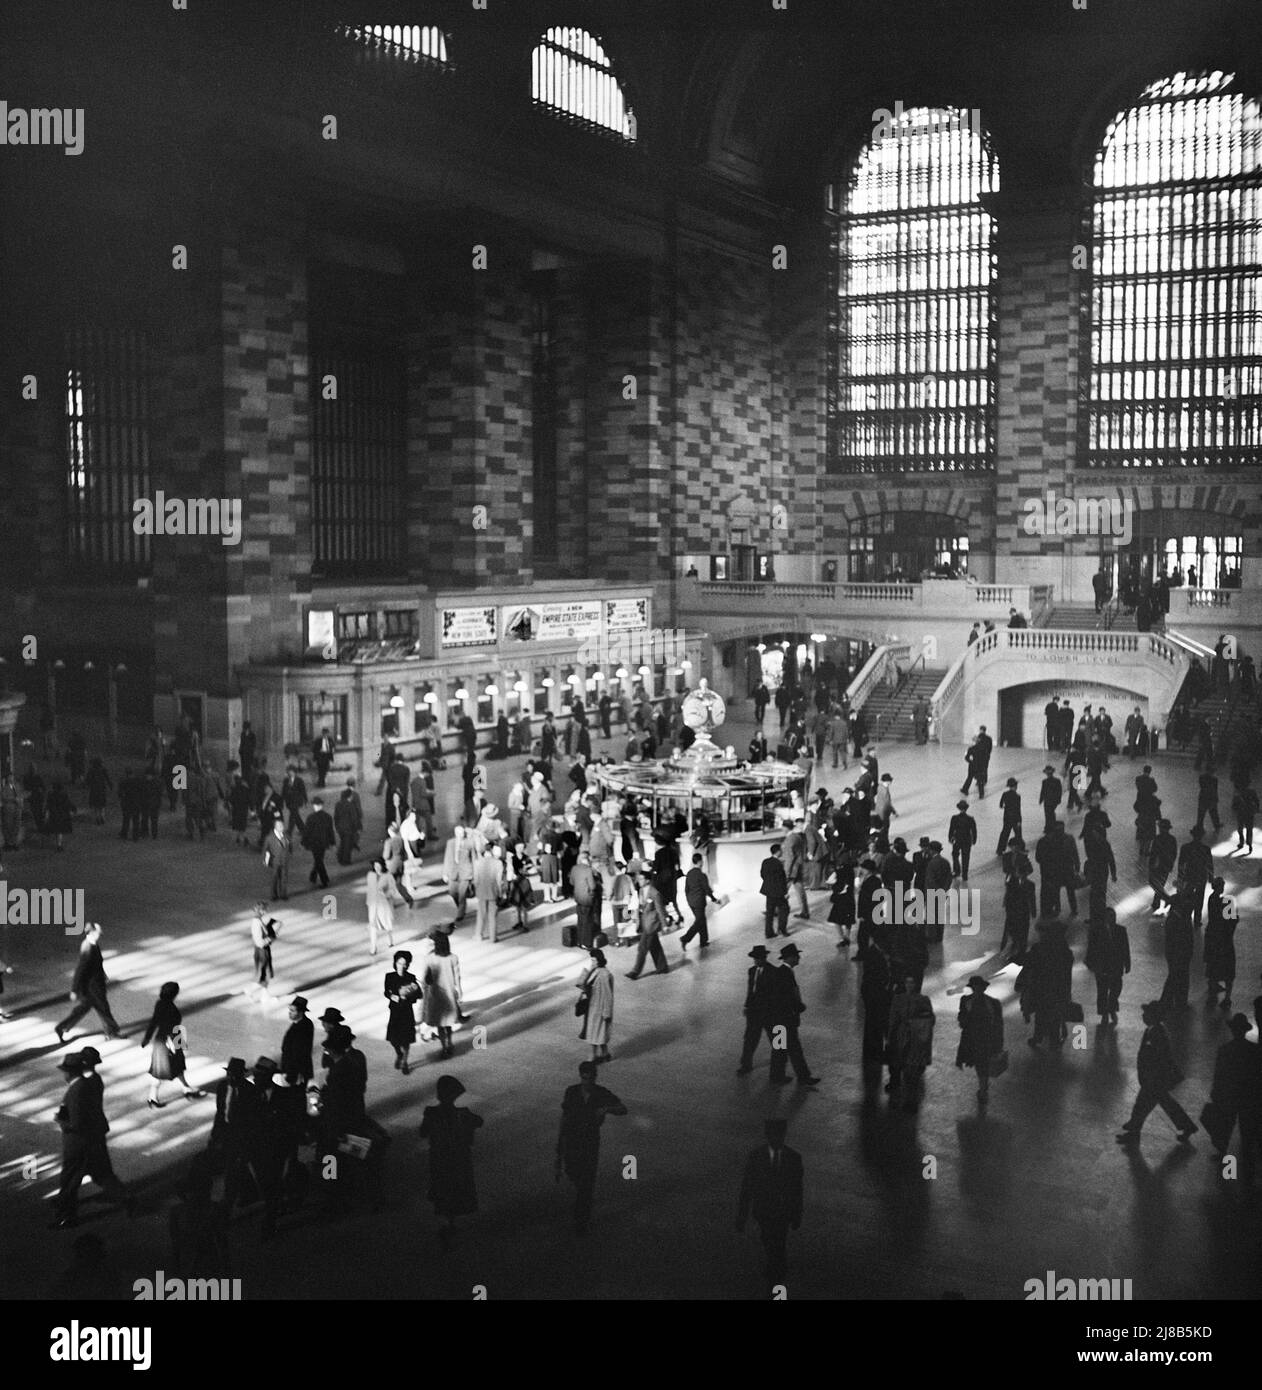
pixel 1074 616
pixel 888 711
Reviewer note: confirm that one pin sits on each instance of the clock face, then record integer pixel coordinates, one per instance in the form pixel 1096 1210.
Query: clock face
pixel 703 709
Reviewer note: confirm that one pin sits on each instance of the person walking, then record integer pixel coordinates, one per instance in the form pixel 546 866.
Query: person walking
pixel 264 929
pixel 1180 946
pixel 1010 805
pixel 318 836
pixel 239 810
pixel 488 887
pixel 402 990
pixel 1220 946
pixel 698 894
pixel 794 850
pixel 449 1131
pixel 775 889
pixel 1019 911
pixel 99 786
pixel 293 795
pixel 1244 806
pixel 1046 985
pixel 583 1111
pixel 348 823
pixel 83 1148
pixel 1057 857
pixel 1108 958
pixel 759 992
pixel 296 1046
pixel 910 1045
pixel 442 1005
pixel 652 924
pixel 1159 1074
pixel 382 896
pixel 883 802
pixel 785 1012
pixel 961 836
pixel 1236 1095
pixel 59 815
pixel 247 746
pixel 981 1036
pixel 1207 801
pixel 87 989
pixel 277 849
pixel 458 860
pixel 1051 790
pixel 771 1192
pixel 166 1058
pixel 322 751
pixel 596 1006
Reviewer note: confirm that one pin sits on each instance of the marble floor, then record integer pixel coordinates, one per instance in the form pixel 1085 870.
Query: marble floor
pixel 1035 1184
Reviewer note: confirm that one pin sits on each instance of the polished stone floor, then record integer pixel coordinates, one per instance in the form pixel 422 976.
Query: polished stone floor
pixel 1035 1184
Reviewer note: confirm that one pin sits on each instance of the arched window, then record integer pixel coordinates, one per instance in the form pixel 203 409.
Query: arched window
pixel 417 43
pixel 572 76
pixel 1174 339
pixel 911 380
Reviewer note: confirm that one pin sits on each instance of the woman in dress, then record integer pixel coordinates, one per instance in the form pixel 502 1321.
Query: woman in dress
pixel 382 895
pixel 450 1133
pixel 59 815
pixel 166 1035
pixel 402 989
pixel 441 982
pixel 841 902
pixel 596 987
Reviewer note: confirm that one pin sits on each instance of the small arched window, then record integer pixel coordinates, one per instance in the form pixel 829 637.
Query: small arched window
pixel 571 75
pixel 415 43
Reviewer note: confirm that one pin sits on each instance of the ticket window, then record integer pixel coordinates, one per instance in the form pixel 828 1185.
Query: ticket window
pixel 543 689
pixel 486 702
pixel 456 696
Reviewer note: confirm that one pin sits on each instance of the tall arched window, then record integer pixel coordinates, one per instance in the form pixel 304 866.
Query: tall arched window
pixel 913 344
pixel 1174 338
pixel 423 43
pixel 572 76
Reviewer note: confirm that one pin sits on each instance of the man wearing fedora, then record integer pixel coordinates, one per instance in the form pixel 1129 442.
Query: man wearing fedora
pixel 1051 790
pixel 786 1013
pixel 296 1045
pixel 759 989
pixel 1159 1074
pixel 1010 805
pixel 83 1129
pixel 961 836
pixel 234 1134
pixel 771 1192
pixel 583 1111
pixel 87 989
pixel 981 1034
pixel 775 888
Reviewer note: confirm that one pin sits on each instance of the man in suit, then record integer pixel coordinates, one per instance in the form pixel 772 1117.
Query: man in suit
pixel 652 924
pixel 1057 857
pixel 1050 792
pixel 1010 805
pixel 319 836
pixel 1051 723
pixel 786 1013
pixel 488 884
pixel 296 1045
pixel 83 1129
pixel 962 836
pixel 458 868
pixel 1196 868
pixel 1158 1075
pixel 348 822
pixel 759 988
pixel 775 888
pixel 293 793
pixel 87 989
pixel 345 1085
pixel 697 894
pixel 322 753
pixel 794 847
pixel 276 851
pixel 1108 958
pixel 583 1111
pixel 771 1192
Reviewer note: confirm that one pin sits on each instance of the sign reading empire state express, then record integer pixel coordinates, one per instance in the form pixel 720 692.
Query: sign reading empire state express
pixel 552 622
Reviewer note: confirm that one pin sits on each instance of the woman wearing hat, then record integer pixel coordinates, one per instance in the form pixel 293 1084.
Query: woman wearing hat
pixel 981 1034
pixel 596 991
pixel 450 1133
pixel 441 982
pixel 166 1060
pixel 402 989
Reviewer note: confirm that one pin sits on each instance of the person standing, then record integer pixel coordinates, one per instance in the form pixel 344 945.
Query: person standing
pixel 1159 1074
pixel 1010 805
pixel 786 1010
pixel 450 1133
pixel 442 1006
pixel 264 929
pixel 1051 724
pixel 1108 958
pixel 83 1150
pixel 1046 984
pixel 771 1192
pixel 322 754
pixel 1236 1094
pixel 697 894
pixel 583 1111
pixel 981 1035
pixel 910 1039
pixel 276 851
pixel 1196 868
pixel 99 786
pixel 652 924
pixel 345 1086
pixel 458 860
pixel 382 897
pixel 87 989
pixel 1220 946
pixel 775 889
pixel 759 991
pixel 402 990
pixel 1207 801
pixel 293 795
pixel 1057 857
pixel 1244 806
pixel 318 836
pixel 246 749
pixel 962 836
pixel 348 823
pixel 488 887
pixel 59 815
pixel 166 1059
pixel 296 1046
pixel 596 999
pixel 587 890
pixel 239 810
pixel 1019 911
pixel 977 767
pixel 883 802
pixel 839 735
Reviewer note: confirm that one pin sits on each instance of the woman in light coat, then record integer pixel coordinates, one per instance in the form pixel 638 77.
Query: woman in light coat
pixel 440 978
pixel 540 805
pixel 383 897
pixel 597 985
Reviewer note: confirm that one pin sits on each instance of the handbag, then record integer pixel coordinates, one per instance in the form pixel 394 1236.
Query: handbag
pixel 997 1063
pixel 583 1002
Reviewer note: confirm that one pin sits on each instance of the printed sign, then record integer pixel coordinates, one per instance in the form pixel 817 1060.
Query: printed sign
pixel 626 614
pixel 469 627
pixel 552 622
pixel 321 636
